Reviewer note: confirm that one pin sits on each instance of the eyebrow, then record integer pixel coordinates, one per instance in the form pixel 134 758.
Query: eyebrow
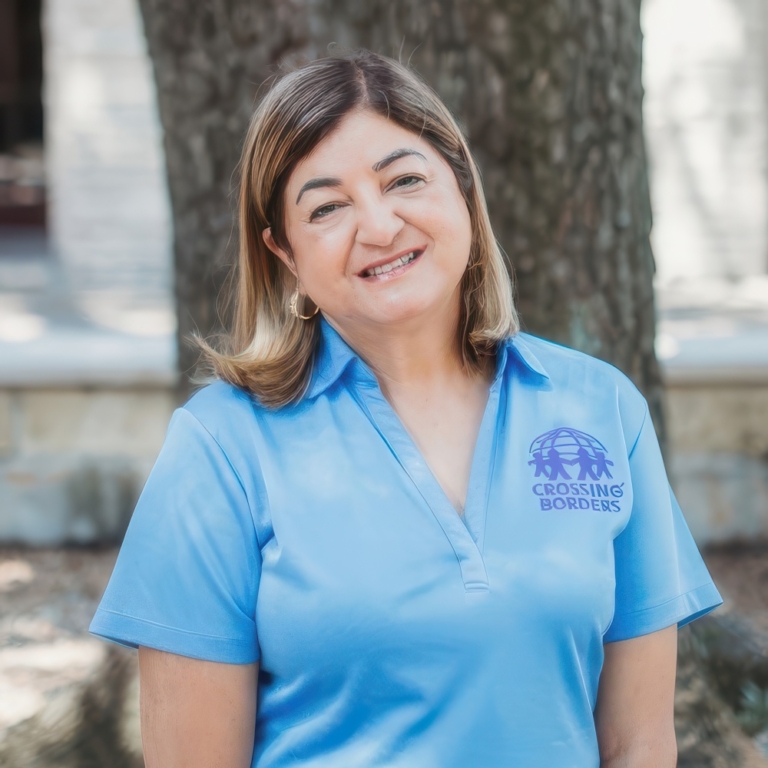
pixel 322 181
pixel 332 181
pixel 396 155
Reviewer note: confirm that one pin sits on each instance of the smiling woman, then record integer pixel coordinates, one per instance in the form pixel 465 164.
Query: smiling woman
pixel 397 531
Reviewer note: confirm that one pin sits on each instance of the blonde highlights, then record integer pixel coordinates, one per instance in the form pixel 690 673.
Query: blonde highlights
pixel 269 351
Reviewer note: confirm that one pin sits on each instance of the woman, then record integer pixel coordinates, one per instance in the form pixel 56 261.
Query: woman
pixel 414 535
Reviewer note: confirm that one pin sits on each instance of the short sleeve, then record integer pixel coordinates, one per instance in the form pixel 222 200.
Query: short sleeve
pixel 661 578
pixel 187 574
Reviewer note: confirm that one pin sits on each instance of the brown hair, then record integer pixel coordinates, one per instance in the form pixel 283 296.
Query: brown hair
pixel 269 351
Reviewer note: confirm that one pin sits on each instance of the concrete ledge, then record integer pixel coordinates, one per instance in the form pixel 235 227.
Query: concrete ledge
pixel 88 357
pixel 736 358
pixel 97 356
pixel 713 330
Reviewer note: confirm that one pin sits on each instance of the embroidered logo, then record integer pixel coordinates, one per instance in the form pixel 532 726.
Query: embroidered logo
pixel 558 455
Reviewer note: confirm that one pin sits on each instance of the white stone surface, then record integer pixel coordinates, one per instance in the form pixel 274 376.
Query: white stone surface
pixel 109 215
pixel 706 80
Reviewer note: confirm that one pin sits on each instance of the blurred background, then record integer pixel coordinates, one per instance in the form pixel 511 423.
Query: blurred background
pixel 89 372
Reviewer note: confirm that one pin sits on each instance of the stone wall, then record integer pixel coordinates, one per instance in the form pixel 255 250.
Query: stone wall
pixel 719 458
pixel 73 460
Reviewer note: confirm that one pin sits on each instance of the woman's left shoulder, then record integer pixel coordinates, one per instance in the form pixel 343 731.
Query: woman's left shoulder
pixel 572 372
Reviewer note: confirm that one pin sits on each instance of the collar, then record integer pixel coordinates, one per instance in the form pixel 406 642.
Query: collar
pixel 334 356
pixel 521 349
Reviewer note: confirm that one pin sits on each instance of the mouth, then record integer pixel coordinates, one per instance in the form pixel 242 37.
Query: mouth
pixel 394 267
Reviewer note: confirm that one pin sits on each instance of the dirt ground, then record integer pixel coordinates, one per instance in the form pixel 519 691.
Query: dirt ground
pixel 741 573
pixel 49 592
pixel 66 699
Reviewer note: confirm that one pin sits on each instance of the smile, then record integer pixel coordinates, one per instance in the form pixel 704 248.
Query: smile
pixel 401 261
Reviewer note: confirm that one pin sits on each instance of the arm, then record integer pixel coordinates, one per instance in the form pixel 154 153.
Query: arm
pixel 634 715
pixel 196 714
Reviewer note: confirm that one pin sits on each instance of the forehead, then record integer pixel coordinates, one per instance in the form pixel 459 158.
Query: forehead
pixel 361 139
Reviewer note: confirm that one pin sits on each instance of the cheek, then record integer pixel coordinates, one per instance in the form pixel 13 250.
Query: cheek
pixel 453 226
pixel 320 256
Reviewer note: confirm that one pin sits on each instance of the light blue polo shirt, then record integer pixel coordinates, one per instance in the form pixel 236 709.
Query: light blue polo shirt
pixel 390 631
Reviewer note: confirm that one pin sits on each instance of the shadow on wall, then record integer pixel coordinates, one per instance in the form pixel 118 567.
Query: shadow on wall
pixel 69 501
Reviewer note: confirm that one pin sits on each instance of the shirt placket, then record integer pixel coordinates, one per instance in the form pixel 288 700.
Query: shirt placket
pixel 464 535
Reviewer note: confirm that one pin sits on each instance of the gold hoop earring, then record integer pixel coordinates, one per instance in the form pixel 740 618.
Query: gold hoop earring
pixel 294 306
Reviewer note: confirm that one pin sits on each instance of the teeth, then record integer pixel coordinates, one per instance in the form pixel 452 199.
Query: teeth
pixel 391 265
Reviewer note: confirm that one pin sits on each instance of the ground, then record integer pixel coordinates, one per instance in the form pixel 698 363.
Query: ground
pixel 741 572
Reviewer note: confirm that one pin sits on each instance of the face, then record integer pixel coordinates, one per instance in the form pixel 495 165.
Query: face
pixel 379 230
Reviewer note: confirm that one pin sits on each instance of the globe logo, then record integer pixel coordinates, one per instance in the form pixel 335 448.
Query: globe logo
pixel 557 450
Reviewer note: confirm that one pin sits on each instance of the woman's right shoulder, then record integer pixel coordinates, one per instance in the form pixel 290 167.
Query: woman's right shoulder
pixel 227 413
pixel 220 399
pixel 242 427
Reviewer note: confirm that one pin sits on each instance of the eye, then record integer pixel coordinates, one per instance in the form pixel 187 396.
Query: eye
pixel 323 211
pixel 406 181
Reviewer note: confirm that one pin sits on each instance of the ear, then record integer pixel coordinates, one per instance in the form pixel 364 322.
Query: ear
pixel 282 254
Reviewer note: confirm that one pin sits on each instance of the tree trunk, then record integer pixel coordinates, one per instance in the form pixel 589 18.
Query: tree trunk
pixel 549 94
pixel 548 91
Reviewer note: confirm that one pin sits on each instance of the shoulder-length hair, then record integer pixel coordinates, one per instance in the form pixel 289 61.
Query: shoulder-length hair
pixel 269 351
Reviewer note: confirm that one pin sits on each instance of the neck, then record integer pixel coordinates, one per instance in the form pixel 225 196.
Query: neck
pixel 414 354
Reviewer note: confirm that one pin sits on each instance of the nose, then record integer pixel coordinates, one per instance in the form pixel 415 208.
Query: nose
pixel 377 222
